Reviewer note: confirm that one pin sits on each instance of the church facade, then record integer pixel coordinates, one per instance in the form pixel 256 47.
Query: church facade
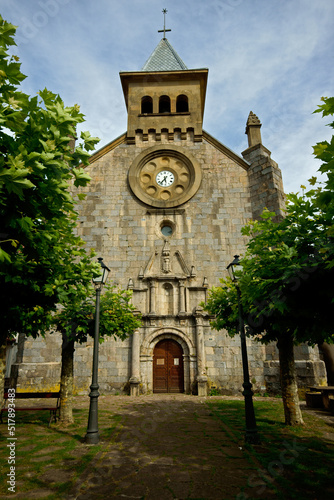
pixel 165 209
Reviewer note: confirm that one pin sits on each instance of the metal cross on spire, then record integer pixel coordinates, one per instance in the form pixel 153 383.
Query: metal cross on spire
pixel 164 11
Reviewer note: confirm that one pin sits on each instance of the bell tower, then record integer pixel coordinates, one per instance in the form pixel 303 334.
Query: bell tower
pixel 164 96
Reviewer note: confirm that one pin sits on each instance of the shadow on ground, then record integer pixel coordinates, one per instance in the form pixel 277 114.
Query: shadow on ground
pixel 167 447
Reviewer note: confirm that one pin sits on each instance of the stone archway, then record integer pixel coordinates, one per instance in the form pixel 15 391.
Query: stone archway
pixel 147 351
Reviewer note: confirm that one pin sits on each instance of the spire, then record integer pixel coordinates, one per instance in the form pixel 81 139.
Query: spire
pixel 164 58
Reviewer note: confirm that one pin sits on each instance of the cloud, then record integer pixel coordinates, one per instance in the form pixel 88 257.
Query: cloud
pixel 273 58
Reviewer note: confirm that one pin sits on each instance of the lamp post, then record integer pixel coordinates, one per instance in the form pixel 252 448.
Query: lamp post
pixel 251 435
pixel 92 435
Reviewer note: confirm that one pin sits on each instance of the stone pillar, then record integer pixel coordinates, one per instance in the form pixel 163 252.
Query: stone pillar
pixel 135 364
pixel 152 296
pixel 182 306
pixel 201 370
pixel 253 130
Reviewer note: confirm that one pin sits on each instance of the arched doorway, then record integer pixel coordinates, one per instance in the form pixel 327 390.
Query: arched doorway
pixel 168 375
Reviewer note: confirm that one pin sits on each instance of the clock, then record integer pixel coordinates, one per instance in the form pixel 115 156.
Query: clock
pixel 164 176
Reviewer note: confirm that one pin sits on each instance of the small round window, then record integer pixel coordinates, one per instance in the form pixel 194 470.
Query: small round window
pixel 166 229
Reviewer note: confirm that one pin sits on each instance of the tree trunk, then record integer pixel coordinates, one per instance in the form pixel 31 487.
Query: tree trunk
pixel 3 349
pixel 328 352
pixel 293 414
pixel 66 381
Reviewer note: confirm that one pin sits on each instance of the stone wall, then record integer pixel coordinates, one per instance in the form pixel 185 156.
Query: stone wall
pixel 309 368
pixel 37 365
pixel 207 227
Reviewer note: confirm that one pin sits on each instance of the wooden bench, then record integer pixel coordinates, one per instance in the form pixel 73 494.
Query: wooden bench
pixel 53 409
pixel 326 392
pixel 314 399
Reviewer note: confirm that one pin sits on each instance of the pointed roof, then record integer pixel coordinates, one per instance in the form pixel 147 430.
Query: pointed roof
pixel 164 58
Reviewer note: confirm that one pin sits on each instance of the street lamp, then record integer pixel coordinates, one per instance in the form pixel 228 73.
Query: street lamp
pixel 92 435
pixel 251 435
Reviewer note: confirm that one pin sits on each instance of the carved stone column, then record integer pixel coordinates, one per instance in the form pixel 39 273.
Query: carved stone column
pixel 135 364
pixel 153 286
pixel 182 306
pixel 201 370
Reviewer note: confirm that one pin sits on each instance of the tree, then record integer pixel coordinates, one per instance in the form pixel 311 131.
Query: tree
pixel 286 282
pixel 324 151
pixel 118 319
pixel 38 162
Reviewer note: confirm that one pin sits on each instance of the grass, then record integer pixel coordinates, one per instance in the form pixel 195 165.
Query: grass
pixel 296 461
pixel 50 458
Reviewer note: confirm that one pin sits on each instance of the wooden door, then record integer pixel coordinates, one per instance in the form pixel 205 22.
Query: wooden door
pixel 168 367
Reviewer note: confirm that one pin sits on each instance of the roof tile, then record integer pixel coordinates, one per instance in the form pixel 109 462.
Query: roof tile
pixel 164 58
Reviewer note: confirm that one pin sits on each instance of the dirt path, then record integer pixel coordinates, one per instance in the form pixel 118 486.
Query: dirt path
pixel 167 447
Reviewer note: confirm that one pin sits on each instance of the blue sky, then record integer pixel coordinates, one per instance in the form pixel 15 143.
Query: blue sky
pixel 274 57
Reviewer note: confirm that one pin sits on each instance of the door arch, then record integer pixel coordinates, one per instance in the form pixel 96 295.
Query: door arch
pixel 168 371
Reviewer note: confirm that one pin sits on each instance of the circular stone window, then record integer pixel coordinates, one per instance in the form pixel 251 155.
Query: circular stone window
pixel 163 177
pixel 166 229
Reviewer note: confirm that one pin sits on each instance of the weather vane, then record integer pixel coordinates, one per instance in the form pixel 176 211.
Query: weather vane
pixel 164 11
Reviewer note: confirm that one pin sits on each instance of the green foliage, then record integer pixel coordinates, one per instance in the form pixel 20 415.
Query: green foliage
pixel 222 304
pixel 38 164
pixel 324 151
pixel 288 268
pixel 118 317
pixel 285 285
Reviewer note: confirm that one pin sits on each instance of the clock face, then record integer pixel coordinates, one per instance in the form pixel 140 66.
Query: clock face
pixel 165 178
